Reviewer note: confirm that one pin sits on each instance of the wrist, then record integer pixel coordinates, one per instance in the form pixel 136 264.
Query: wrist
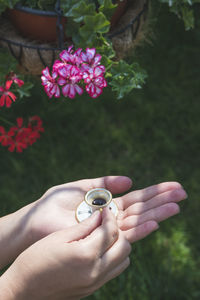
pixel 15 235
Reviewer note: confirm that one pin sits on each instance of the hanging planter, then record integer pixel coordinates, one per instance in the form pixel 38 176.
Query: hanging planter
pixel 42 25
pixel 36 24
pixel 34 54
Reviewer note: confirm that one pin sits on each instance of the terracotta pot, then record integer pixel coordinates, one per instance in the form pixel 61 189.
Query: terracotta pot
pixel 41 25
pixel 119 11
pixel 35 24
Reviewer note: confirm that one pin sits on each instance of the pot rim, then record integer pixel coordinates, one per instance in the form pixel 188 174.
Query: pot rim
pixel 34 11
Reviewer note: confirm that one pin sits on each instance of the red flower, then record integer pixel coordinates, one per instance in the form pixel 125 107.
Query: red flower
pixel 19 145
pixel 20 137
pixel 16 80
pixel 13 77
pixel 7 96
pixel 5 137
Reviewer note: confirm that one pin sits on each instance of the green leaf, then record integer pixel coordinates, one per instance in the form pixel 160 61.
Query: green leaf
pixel 126 77
pixel 24 91
pixel 79 10
pixel 188 18
pixel 94 24
pixel 107 8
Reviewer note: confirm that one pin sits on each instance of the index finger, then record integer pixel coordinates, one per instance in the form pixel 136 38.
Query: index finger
pixel 102 238
pixel 115 184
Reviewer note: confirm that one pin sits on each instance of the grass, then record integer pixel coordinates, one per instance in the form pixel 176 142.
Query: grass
pixel 152 135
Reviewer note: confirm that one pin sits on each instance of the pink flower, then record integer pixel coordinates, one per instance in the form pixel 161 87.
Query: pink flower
pixel 70 86
pixel 68 59
pixel 71 69
pixel 90 57
pixel 50 83
pixel 6 96
pixel 95 81
pixel 67 56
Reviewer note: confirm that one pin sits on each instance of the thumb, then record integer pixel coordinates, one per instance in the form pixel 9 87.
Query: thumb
pixel 83 229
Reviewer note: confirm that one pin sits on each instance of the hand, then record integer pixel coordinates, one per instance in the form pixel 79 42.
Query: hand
pixel 69 264
pixel 139 211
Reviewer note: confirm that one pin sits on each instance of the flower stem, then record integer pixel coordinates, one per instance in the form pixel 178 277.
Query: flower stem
pixel 6 121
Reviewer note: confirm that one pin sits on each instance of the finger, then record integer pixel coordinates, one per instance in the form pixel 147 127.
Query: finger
pixel 147 193
pixel 117 270
pixel 157 214
pixel 140 207
pixel 116 254
pixel 115 184
pixel 81 230
pixel 105 235
pixel 141 231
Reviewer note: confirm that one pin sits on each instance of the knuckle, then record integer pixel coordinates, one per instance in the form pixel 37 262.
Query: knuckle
pixel 113 232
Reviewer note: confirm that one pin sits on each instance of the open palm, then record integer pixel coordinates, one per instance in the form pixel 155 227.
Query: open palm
pixel 139 211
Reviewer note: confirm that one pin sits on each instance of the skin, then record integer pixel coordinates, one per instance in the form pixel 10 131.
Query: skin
pixel 45 224
pixel 69 264
pixel 140 212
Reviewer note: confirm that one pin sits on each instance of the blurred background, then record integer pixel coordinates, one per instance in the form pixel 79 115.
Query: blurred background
pixel 152 135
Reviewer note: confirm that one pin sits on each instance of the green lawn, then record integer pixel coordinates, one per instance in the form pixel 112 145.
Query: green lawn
pixel 152 135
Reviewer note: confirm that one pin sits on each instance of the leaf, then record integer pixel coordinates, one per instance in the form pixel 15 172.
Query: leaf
pixel 94 24
pixel 126 77
pixel 24 91
pixel 80 10
pixel 188 18
pixel 107 8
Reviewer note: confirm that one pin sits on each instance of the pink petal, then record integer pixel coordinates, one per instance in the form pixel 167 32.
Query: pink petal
pixel 78 52
pixel 70 48
pixel 54 74
pixel 75 71
pixel 85 67
pixel 93 90
pixel 57 92
pixel 72 91
pixel 64 71
pixel 65 90
pixel 100 82
pixel 97 59
pixel 47 90
pixel 65 56
pixel 98 71
pixel 46 72
pixel 90 53
pixel 78 89
pixel 61 81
